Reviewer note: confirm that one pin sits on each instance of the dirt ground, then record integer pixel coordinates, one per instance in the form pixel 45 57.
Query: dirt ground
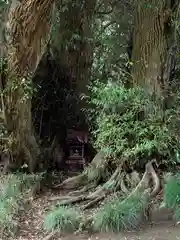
pixel 164 232
pixel 162 226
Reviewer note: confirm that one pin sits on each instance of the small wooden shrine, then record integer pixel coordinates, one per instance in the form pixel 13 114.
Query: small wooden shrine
pixel 76 142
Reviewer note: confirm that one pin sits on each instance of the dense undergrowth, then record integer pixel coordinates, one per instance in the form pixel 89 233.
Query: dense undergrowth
pixel 114 215
pixel 129 124
pixel 15 189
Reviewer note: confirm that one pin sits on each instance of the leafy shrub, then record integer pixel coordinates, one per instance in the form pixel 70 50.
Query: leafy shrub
pixel 120 215
pixel 129 124
pixel 62 219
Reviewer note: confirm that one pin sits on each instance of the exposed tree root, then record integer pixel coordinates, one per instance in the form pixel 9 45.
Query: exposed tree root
pixel 65 200
pixel 108 187
pixel 83 190
pixel 116 183
pixel 131 179
pixel 60 198
pixel 144 183
pixel 99 163
pixel 156 182
pixel 93 202
pixel 50 236
pixel 72 183
pixel 73 200
pixel 144 189
pixel 123 187
pixel 74 194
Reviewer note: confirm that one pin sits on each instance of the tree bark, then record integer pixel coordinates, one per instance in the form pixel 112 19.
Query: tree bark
pixel 153 42
pixel 25 49
pixel 3 15
pixel 74 46
pixel 4 9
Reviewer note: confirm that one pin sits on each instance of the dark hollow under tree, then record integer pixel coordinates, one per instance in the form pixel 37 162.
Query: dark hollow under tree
pixel 55 109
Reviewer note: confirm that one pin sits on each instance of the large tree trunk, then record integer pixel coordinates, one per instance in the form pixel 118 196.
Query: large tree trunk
pixel 74 46
pixel 26 41
pixel 4 10
pixel 3 17
pixel 153 43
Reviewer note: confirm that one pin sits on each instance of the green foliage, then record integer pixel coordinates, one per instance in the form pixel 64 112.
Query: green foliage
pixel 120 215
pixel 172 192
pixel 172 195
pixel 8 204
pixel 28 180
pixel 62 219
pixel 111 32
pixel 3 3
pixel 13 189
pixel 177 214
pixel 130 125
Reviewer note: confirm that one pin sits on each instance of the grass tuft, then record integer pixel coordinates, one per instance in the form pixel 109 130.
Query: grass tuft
pixel 13 189
pixel 172 195
pixel 120 215
pixel 62 219
pixel 177 214
pixel 172 192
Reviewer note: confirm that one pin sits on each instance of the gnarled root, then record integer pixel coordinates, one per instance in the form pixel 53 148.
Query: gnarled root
pixel 72 183
pixel 145 182
pixel 123 186
pixel 116 183
pixel 50 235
pixel 93 202
pixel 144 188
pixel 83 190
pixel 99 163
pixel 108 187
pixel 99 193
pixel 156 182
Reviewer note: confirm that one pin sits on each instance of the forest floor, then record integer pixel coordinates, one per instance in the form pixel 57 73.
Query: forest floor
pixel 162 226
